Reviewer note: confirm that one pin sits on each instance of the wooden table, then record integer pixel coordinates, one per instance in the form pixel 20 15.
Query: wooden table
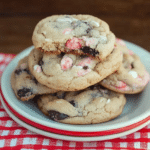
pixel 128 19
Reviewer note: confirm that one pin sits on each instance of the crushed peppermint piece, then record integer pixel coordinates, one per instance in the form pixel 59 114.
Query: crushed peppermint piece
pixel 120 42
pixel 121 84
pixel 67 31
pixel 66 63
pixel 37 68
pixel 130 52
pixel 85 62
pixel 83 72
pixel 74 43
pixel 23 66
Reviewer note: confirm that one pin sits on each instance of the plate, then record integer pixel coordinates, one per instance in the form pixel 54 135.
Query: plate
pixel 70 138
pixel 135 113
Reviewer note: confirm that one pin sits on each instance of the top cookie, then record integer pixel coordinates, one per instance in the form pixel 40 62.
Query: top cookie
pixel 80 34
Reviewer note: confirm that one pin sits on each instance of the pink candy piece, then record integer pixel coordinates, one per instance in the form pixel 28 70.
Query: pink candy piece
pixel 37 68
pixel 83 72
pixel 130 52
pixel 74 43
pixel 130 67
pixel 67 31
pixel 66 63
pixel 145 80
pixel 23 66
pixel 121 84
pixel 120 42
pixel 85 62
pixel 146 77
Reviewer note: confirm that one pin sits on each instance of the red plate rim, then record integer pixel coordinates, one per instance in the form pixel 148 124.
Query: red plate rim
pixel 72 133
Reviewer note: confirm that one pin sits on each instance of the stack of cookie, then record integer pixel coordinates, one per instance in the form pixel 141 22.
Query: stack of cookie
pixel 79 69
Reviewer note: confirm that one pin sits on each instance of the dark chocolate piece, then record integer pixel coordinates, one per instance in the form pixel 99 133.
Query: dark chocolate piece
pixel 55 115
pixel 18 71
pixel 61 55
pixel 72 103
pixel 34 79
pixel 41 62
pixel 132 65
pixel 24 92
pixel 85 67
pixel 88 50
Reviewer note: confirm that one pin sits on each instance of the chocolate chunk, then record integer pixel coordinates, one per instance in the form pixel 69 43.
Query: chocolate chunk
pixel 26 70
pixel 76 24
pixel 53 94
pixel 18 71
pixel 88 50
pixel 83 56
pixel 85 67
pixel 55 115
pixel 92 87
pixel 96 86
pixel 89 27
pixel 24 92
pixel 41 62
pixel 61 55
pixel 88 30
pixel 72 103
pixel 61 95
pixel 132 65
pixel 101 87
pixel 34 79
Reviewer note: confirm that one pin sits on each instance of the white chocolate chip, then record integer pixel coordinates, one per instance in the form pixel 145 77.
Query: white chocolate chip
pixel 66 19
pixel 47 40
pixel 73 19
pixel 133 73
pixel 108 101
pixel 101 100
pixel 103 39
pixel 95 23
pixel 80 67
pixel 44 32
pixel 37 68
pixel 58 101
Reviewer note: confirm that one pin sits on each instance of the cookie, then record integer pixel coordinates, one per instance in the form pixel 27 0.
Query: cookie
pixel 25 86
pixel 77 34
pixel 68 72
pixel 131 77
pixel 90 106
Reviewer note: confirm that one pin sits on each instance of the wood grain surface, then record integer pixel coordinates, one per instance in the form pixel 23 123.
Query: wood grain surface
pixel 128 19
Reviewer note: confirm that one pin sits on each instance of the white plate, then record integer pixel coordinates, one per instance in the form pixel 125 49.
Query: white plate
pixel 70 138
pixel 136 109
